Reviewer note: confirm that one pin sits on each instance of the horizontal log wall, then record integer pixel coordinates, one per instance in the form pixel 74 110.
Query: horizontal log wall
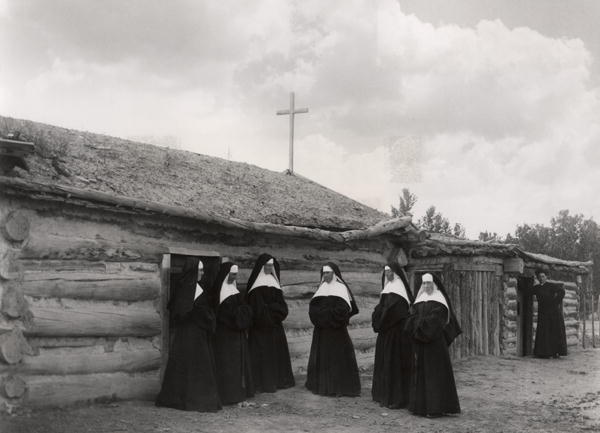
pixel 510 339
pixel 85 290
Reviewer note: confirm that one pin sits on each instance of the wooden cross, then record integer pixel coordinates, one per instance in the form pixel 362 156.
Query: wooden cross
pixel 292 111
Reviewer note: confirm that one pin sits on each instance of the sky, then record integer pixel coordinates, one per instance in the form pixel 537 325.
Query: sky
pixel 489 110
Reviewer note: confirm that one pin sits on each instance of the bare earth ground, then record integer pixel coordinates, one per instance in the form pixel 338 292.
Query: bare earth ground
pixel 497 395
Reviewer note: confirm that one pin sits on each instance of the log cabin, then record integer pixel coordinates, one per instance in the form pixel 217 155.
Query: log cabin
pixel 486 282
pixel 95 229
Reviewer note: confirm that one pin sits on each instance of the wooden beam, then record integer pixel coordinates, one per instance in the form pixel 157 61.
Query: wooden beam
pixel 116 289
pixel 26 187
pixel 136 356
pixel 59 390
pixel 193 252
pixel 514 265
pixel 16 148
pixel 73 318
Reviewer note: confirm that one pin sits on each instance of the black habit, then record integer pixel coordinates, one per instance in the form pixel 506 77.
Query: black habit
pixel 234 317
pixel 393 349
pixel 550 334
pixel 190 381
pixel 332 368
pixel 433 390
pixel 271 364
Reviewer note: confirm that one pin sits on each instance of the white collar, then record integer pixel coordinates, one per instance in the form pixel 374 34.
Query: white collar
pixel 334 288
pixel 436 296
pixel 396 286
pixel 227 289
pixel 264 279
pixel 199 291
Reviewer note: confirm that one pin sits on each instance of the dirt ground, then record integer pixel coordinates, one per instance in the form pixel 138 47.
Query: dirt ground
pixel 497 395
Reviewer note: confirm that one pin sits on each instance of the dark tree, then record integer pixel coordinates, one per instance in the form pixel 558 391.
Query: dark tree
pixel 407 201
pixel 569 237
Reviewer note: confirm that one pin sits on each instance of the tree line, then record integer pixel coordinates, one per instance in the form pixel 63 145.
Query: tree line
pixel 569 236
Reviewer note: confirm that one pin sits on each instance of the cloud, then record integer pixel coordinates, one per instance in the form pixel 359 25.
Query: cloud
pixel 493 125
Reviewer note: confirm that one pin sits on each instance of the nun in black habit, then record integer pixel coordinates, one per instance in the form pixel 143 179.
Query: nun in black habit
pixel 550 334
pixel 393 349
pixel 271 365
pixel 432 327
pixel 332 368
pixel 190 380
pixel 234 317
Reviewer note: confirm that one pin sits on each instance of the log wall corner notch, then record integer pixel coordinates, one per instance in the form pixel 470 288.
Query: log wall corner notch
pixel 15 226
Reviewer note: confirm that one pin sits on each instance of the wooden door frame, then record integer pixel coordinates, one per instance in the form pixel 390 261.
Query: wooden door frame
pixel 165 294
pixel 525 336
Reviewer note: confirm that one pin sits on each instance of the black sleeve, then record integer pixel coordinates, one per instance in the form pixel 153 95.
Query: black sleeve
pixel 559 292
pixel 235 314
pixel 429 325
pixel 376 317
pixel 204 317
pixel 278 308
pixel 268 309
pixel 326 312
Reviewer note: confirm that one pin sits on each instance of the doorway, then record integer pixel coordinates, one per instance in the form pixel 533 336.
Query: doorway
pixel 177 292
pixel 524 316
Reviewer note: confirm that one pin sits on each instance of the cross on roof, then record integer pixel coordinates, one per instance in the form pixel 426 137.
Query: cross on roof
pixel 292 111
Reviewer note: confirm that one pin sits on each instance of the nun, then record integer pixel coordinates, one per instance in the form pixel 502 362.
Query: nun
pixel 269 353
pixel 550 335
pixel 432 327
pixel 234 317
pixel 393 349
pixel 190 379
pixel 332 368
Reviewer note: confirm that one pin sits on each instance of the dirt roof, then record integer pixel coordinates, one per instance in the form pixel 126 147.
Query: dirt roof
pixel 172 177
pixel 440 244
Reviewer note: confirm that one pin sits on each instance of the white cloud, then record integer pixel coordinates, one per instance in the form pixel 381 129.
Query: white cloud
pixel 495 126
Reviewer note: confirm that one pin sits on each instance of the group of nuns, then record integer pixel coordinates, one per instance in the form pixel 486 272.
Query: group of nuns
pixel 226 346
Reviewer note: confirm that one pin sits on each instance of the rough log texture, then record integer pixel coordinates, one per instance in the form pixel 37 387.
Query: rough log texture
pixel 13 386
pixel 131 356
pixel 13 346
pixel 73 239
pixel 16 226
pixel 60 390
pixel 70 318
pixel 13 303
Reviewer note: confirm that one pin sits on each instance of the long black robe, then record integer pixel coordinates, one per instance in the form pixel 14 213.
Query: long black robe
pixel 550 334
pixel 433 390
pixel 271 364
pixel 234 374
pixel 190 381
pixel 393 352
pixel 332 368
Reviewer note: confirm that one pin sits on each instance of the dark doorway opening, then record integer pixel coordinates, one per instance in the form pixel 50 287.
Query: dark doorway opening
pixel 524 316
pixel 178 292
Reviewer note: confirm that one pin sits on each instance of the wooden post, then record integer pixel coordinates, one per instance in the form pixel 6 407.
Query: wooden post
pixel 593 310
pixel 583 313
pixel 165 276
